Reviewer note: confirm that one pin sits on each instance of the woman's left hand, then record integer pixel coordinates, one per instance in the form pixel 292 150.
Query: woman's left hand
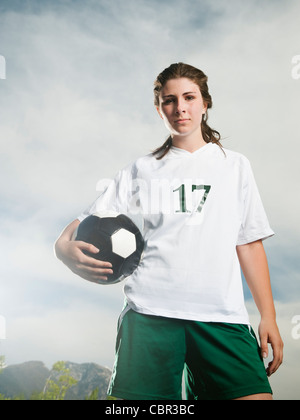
pixel 269 334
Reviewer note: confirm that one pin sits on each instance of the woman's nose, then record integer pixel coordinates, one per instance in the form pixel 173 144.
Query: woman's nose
pixel 180 108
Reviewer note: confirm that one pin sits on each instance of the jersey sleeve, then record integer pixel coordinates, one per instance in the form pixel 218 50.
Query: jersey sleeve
pixel 254 222
pixel 114 196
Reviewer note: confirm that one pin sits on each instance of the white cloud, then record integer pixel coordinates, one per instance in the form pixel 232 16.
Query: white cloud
pixel 79 332
pixel 2 328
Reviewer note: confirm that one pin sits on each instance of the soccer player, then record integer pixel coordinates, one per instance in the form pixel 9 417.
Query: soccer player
pixel 204 221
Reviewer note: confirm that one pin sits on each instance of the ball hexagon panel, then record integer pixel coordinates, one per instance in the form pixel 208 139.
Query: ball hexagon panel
pixel 123 243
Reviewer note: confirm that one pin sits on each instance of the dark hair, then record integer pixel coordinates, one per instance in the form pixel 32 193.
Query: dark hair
pixel 176 71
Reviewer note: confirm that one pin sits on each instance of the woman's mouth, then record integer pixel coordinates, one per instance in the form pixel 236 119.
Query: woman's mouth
pixel 181 121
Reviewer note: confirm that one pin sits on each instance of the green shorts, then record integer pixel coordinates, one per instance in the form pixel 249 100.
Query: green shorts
pixel 220 361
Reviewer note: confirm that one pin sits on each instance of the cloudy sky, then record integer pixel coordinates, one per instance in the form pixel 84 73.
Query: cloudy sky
pixel 76 105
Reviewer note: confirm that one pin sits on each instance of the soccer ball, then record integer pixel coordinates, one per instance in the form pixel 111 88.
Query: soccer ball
pixel 119 240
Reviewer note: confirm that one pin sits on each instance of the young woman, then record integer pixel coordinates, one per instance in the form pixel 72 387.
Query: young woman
pixel 203 221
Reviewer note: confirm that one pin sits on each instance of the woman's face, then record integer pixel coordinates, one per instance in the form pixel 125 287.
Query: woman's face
pixel 181 107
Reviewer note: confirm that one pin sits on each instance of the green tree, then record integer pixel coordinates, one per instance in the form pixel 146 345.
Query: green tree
pixel 58 383
pixel 2 363
pixel 93 395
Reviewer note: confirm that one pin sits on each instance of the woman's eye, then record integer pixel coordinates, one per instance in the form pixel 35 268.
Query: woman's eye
pixel 171 100
pixel 168 101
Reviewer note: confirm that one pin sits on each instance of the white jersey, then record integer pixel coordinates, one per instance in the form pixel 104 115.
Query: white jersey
pixel 197 207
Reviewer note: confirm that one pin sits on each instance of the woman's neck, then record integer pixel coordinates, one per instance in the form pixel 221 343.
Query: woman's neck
pixel 188 143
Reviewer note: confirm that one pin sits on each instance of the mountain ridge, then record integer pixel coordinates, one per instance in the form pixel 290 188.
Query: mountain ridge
pixel 28 378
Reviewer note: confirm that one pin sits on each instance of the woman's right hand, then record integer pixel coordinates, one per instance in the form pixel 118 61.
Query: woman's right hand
pixel 71 253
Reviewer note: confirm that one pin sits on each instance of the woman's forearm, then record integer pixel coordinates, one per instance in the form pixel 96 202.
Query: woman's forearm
pixel 254 265
pixel 64 237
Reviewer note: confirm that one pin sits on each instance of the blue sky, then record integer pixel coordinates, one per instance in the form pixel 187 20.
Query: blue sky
pixel 76 105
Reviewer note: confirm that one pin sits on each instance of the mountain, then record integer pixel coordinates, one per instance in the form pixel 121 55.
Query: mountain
pixel 23 379
pixel 30 377
pixel 89 376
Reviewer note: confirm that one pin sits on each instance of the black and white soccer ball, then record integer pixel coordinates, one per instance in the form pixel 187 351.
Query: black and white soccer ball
pixel 119 240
